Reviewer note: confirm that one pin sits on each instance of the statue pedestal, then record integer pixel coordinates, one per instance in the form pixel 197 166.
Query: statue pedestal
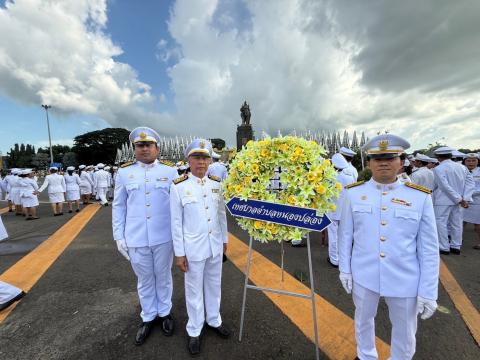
pixel 244 135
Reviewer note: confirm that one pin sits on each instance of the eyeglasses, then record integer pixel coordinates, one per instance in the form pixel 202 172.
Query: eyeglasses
pixel 144 144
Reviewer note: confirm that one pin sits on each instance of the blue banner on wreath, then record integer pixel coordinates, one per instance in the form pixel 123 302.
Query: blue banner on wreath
pixel 303 218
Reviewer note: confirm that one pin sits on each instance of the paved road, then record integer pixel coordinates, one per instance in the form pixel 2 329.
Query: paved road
pixel 85 306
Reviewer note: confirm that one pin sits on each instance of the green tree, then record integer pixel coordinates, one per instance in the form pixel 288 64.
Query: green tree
pixel 70 159
pixel 99 146
pixel 20 156
pixel 57 150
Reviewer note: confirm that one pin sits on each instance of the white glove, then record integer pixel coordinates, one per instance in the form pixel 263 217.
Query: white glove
pixel 347 282
pixel 426 307
pixel 123 248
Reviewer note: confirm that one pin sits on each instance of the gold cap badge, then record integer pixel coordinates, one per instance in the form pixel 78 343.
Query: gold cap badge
pixel 383 145
pixel 142 135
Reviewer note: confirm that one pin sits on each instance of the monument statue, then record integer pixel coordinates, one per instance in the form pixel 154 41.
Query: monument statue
pixel 245 113
pixel 244 131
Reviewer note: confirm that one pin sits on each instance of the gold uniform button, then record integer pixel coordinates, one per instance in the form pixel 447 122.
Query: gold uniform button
pixel 383 238
pixel 383 222
pixel 385 193
pixel 382 254
pixel 384 208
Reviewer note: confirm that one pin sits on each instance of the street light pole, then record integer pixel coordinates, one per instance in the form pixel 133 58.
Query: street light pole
pixel 46 107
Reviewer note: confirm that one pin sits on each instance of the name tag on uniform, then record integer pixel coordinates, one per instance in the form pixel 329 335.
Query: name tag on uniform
pixel 401 202
pixel 162 179
pixel 215 190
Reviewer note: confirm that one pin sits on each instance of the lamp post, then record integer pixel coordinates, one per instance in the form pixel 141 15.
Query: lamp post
pixel 46 107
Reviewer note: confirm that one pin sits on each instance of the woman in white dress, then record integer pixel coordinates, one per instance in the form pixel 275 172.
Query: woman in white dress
pixel 472 213
pixel 56 190
pixel 28 193
pixel 72 182
pixel 15 192
pixel 86 184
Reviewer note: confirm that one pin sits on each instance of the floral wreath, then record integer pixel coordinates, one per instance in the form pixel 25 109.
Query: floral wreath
pixel 307 180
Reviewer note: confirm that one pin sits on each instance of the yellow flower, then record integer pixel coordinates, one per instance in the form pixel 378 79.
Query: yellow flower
pixel 238 189
pixel 320 189
pixel 333 207
pixel 230 187
pixel 283 147
pixel 298 151
pixel 291 199
pixel 338 186
pixel 241 165
pixel 255 168
pixel 311 177
pixel 326 162
pixel 247 180
pixel 270 226
pixel 258 224
pixel 265 153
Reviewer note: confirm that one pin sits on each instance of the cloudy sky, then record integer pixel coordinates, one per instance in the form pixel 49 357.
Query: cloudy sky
pixel 185 67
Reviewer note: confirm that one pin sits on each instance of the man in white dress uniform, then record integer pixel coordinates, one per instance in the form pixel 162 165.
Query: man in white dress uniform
pixel 199 232
pixel 141 228
pixel 423 175
pixel 339 162
pixel 216 168
pixel 8 293
pixel 102 183
pixel 471 214
pixel 388 247
pixel 452 191
pixel 348 154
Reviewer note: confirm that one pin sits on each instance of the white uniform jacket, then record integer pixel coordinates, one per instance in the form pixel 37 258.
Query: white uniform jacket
pixel 388 240
pixel 102 179
pixel 86 180
pixel 141 204
pixel 423 176
pixel 27 187
pixel 453 182
pixel 218 170
pixel 199 221
pixel 345 180
pixel 351 171
pixel 72 182
pixel 55 183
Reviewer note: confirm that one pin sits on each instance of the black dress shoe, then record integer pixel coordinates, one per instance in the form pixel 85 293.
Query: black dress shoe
pixel 78 210
pixel 455 251
pixel 143 332
pixel 11 301
pixel 168 324
pixel 106 204
pixel 330 262
pixel 223 331
pixel 444 252
pixel 298 245
pixel 193 345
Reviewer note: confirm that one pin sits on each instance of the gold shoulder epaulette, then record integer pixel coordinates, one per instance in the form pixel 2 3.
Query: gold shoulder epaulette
pixel 354 184
pixel 214 178
pixel 128 163
pixel 180 179
pixel 167 163
pixel 419 187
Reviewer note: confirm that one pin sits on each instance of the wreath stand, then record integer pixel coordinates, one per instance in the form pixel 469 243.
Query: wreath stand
pixel 281 292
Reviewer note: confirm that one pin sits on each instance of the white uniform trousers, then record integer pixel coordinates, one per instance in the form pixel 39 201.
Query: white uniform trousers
pixel 203 287
pixel 403 317
pixel 8 292
pixel 102 194
pixel 332 230
pixel 449 222
pixel 153 267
